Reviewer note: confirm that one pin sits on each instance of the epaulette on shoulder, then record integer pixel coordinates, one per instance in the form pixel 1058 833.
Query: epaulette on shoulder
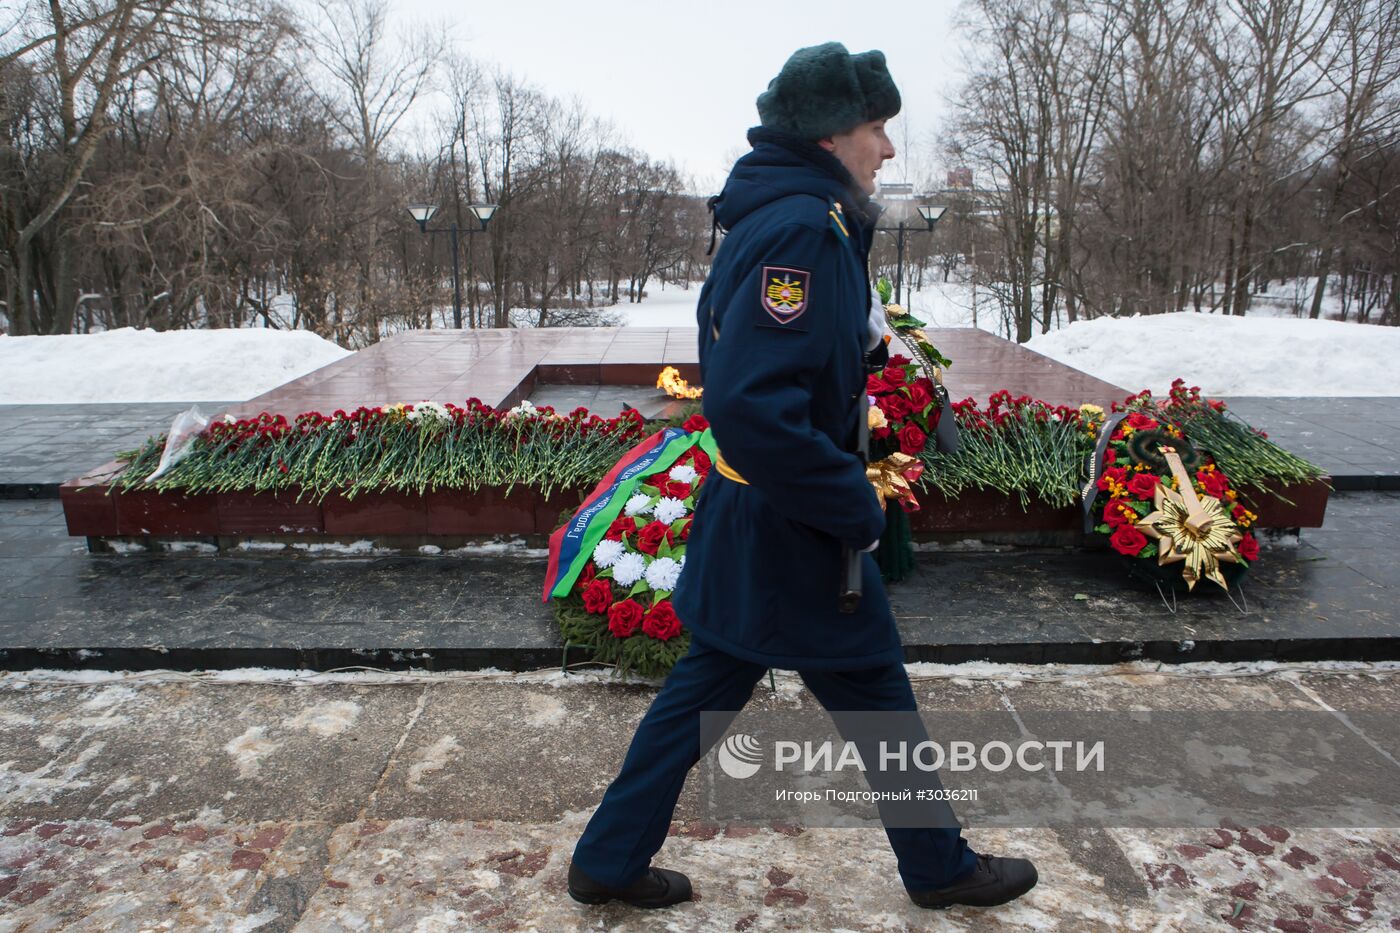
pixel 838 220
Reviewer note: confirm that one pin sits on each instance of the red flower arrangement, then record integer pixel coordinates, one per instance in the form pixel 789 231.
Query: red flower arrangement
pixel 905 409
pixel 1126 489
pixel 620 604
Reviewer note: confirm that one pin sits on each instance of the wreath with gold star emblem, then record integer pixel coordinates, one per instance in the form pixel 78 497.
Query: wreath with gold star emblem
pixel 1167 507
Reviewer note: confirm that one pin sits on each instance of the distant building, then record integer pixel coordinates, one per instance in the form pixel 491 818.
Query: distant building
pixel 960 178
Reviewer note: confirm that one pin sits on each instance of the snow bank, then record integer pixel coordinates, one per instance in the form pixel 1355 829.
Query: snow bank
pixel 130 365
pixel 1231 355
pixel 1254 355
pixel 672 306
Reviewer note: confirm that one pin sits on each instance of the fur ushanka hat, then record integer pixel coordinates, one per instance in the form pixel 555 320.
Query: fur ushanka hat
pixel 824 90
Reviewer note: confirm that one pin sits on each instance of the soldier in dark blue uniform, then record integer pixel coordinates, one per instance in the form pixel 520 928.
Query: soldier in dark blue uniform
pixel 787 329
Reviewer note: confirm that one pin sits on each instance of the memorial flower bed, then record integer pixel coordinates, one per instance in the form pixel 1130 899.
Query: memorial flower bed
pixel 1018 446
pixel 410 448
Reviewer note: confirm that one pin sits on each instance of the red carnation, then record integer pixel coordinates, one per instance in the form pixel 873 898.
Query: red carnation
pixel 1140 422
pixel 894 376
pixel 1128 540
pixel 626 525
pixel 651 537
pixel 1248 548
pixel 881 433
pixel 919 398
pixel 912 439
pixel 1143 485
pixel 598 597
pixel 899 359
pixel 696 422
pixel 624 617
pixel 701 462
pixel 1110 457
pixel 661 623
pixel 585 578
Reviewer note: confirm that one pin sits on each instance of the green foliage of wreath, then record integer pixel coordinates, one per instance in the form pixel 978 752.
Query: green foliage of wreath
pixel 637 654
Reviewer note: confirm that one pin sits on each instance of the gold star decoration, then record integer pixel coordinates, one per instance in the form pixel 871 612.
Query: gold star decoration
pixel 1190 528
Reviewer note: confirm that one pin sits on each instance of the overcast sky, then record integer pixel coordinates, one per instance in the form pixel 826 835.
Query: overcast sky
pixel 679 79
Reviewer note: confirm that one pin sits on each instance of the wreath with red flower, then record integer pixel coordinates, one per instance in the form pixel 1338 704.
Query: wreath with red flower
pixel 620 605
pixel 1168 533
pixel 904 410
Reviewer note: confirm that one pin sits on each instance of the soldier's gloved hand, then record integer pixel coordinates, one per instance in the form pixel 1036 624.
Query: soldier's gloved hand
pixel 875 323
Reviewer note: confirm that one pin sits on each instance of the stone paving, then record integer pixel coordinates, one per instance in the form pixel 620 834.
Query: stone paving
pixel 1333 595
pixel 44 445
pixel 1356 440
pixel 437 804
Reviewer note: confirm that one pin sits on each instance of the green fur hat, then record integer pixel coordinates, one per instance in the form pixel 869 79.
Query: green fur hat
pixel 824 90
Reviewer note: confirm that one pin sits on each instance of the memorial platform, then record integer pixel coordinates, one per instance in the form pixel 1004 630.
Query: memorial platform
pixel 1331 596
pixel 388 590
pixel 571 367
pixel 503 367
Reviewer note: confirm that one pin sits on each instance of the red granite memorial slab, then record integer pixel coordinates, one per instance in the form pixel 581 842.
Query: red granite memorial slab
pixel 267 513
pixel 548 509
pixel 153 513
pixel 87 509
pixel 1299 505
pixel 484 511
pixel 375 513
pixel 987 510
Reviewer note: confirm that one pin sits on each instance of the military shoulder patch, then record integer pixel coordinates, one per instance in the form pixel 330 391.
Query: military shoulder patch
pixel 785 292
pixel 838 221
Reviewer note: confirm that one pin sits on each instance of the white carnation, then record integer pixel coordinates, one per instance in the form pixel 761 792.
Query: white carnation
pixel 525 409
pixel 607 552
pixel 629 569
pixel 433 411
pixel 685 473
pixel 663 573
pixel 668 510
pixel 640 504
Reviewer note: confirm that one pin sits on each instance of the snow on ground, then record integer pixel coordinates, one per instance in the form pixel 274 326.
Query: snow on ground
pixel 1231 355
pixel 130 365
pixel 1270 352
pixel 669 306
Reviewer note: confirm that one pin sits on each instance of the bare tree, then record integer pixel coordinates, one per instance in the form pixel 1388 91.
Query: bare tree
pixel 1364 109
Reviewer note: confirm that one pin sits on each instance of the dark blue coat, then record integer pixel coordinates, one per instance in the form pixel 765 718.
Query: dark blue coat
pixel 782 321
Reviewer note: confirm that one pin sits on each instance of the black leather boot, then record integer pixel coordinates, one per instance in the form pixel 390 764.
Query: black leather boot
pixel 993 881
pixel 658 887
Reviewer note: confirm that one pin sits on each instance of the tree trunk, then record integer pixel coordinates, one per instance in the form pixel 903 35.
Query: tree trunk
pixel 1324 266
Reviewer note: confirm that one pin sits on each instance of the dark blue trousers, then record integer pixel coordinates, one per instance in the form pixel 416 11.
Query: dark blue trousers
pixel 630 824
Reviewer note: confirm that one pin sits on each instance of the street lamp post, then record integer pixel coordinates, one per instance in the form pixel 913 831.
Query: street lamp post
pixel 931 216
pixel 422 213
